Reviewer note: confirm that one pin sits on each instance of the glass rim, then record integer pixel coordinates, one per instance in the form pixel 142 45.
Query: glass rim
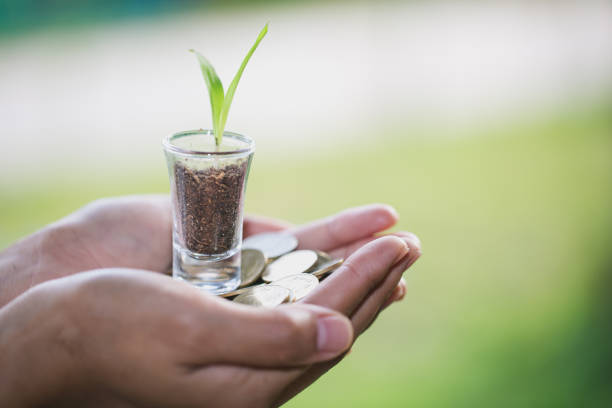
pixel 169 146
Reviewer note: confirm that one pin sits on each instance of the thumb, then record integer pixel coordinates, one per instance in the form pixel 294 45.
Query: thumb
pixel 286 336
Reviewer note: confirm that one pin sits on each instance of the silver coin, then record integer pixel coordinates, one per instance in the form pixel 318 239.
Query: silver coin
pixel 264 295
pixel 272 244
pixel 252 264
pixel 301 284
pixel 290 264
pixel 326 268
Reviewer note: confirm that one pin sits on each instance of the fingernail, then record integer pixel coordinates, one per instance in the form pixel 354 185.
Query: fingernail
pixel 402 293
pixel 407 239
pixel 405 263
pixel 404 250
pixel 334 334
pixel 412 241
pixel 416 250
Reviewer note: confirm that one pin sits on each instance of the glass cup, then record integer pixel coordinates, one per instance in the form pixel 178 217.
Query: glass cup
pixel 207 186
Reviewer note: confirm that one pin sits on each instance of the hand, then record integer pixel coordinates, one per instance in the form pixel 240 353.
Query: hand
pixel 366 283
pixel 126 232
pixel 359 289
pixel 130 232
pixel 112 337
pixel 117 337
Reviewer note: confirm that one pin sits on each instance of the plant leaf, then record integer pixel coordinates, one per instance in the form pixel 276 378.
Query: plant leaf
pixel 215 92
pixel 229 96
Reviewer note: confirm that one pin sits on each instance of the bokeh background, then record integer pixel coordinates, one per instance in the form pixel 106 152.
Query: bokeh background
pixel 488 125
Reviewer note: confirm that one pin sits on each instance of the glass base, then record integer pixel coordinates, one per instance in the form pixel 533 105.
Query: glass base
pixel 215 274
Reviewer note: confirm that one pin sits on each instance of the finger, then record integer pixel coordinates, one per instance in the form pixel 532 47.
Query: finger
pixel 344 252
pixel 256 224
pixel 288 336
pixel 257 387
pixel 367 312
pixel 397 295
pixel 373 263
pixel 363 271
pixel 346 227
pixel 414 243
pixel 364 315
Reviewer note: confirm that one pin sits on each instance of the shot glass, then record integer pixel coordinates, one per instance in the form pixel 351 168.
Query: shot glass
pixel 207 187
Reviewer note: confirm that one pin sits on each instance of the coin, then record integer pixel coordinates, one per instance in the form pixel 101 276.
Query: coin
pixel 272 244
pixel 326 268
pixel 264 295
pixel 300 284
pixel 290 264
pixel 322 257
pixel 252 265
pixel 292 297
pixel 238 291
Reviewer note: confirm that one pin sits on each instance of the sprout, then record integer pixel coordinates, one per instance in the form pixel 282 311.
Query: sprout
pixel 220 103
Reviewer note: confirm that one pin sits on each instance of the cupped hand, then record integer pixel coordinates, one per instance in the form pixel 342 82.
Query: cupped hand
pixel 366 283
pixel 135 233
pixel 117 337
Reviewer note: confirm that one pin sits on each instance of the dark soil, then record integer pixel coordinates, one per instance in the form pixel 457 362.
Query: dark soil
pixel 209 205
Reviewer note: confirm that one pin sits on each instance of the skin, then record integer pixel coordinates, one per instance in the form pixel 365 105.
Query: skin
pixel 85 322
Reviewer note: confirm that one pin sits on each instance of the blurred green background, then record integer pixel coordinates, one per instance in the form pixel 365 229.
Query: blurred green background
pixel 488 127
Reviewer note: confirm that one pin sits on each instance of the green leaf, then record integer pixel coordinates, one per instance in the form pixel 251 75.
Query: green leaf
pixel 229 96
pixel 220 103
pixel 215 92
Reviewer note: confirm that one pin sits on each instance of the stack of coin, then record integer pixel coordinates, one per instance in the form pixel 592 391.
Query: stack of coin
pixel 274 272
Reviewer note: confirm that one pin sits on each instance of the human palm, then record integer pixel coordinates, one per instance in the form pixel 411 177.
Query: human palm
pixel 134 234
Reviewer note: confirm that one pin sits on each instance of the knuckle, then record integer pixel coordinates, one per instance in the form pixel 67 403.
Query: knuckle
pixel 100 209
pixel 61 304
pixel 338 226
pixel 334 227
pixel 359 273
pixel 95 208
pixel 56 237
pixel 296 336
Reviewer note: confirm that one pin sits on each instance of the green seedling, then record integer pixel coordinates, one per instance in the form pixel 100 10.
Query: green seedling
pixel 219 102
